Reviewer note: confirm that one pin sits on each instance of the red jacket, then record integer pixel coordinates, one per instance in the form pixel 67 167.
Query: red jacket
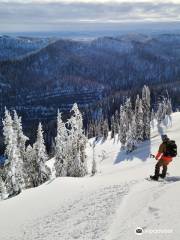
pixel 161 152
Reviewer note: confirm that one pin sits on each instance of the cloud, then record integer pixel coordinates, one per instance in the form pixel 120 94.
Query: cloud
pixel 49 15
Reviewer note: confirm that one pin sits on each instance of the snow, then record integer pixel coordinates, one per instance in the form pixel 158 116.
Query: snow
pixel 107 206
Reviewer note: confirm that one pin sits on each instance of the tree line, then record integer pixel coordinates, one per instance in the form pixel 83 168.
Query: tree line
pixel 132 122
pixel 25 165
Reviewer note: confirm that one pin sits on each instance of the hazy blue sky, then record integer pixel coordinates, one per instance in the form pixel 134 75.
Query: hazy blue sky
pixel 56 15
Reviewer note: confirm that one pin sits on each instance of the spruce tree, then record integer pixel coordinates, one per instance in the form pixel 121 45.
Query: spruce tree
pixel 2 188
pixel 94 165
pixel 31 167
pixel 146 112
pixel 21 144
pixel 43 172
pixel 139 119
pixel 105 129
pixel 116 122
pixel 77 165
pixel 123 127
pixel 112 127
pixel 161 112
pixel 168 107
pixel 61 148
pixel 131 136
pixel 129 111
pixel 14 182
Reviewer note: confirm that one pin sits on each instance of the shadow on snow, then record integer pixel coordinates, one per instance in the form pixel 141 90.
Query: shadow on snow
pixel 142 152
pixel 172 179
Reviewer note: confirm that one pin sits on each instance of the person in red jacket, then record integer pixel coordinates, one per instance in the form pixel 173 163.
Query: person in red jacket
pixel 162 159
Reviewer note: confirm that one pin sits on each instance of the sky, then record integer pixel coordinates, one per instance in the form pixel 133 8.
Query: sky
pixel 70 15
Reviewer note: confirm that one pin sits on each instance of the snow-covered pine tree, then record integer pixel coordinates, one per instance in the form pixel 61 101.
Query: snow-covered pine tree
pixel 41 157
pixel 90 130
pixel 2 188
pixel 77 165
pixel 169 109
pixel 153 117
pixel 8 132
pixel 14 166
pixel 123 128
pixel 116 122
pixel 105 129
pixel 61 148
pixel 139 119
pixel 98 129
pixel 21 143
pixel 131 136
pixel 161 112
pixel 52 148
pixel 21 138
pixel 31 167
pixel 94 165
pixel 129 111
pixel 112 127
pixel 146 112
pixel 101 128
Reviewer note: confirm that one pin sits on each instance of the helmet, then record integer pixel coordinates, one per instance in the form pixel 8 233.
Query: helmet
pixel 164 138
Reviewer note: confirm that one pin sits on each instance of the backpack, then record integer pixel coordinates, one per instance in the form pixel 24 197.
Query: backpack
pixel 171 149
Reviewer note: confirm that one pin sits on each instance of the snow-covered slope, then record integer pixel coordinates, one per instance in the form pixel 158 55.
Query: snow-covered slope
pixel 110 205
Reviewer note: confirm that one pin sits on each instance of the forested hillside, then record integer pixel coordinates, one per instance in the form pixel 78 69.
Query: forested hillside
pixel 97 74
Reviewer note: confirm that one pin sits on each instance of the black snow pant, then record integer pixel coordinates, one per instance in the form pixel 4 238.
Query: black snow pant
pixel 160 164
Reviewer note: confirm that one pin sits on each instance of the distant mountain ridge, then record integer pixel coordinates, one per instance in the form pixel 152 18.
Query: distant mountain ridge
pixel 15 47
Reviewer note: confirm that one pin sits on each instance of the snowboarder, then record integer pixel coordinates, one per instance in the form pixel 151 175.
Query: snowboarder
pixel 167 151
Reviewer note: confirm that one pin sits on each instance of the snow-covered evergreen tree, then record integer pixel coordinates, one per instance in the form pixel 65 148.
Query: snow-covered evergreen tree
pixel 14 166
pixel 90 130
pixel 21 138
pixel 164 112
pixel 131 136
pixel 77 165
pixel 112 127
pixel 161 112
pixel 139 119
pixel 21 143
pixel 61 148
pixel 146 112
pixel 94 167
pixel 153 118
pixel 31 168
pixel 41 157
pixel 105 129
pixel 169 110
pixel 8 132
pixel 2 188
pixel 153 115
pixel 123 128
pixel 129 111
pixel 116 122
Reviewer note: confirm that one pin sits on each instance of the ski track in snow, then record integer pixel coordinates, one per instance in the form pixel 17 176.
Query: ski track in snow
pixel 85 218
pixel 139 209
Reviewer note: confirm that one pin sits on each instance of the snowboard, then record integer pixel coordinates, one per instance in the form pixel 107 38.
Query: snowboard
pixel 159 180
